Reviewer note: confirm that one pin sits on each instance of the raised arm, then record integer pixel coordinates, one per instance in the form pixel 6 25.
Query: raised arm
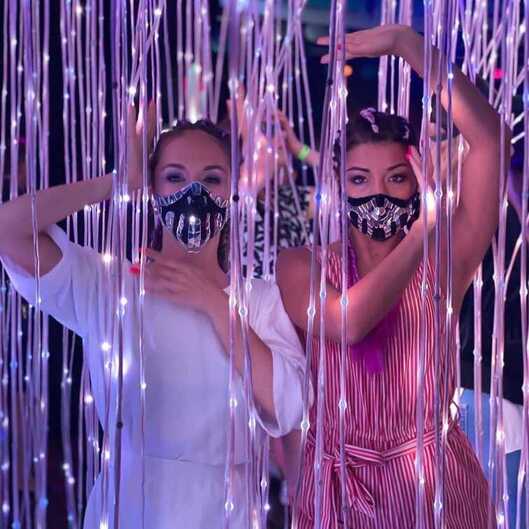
pixel 364 310
pixel 52 205
pixel 476 216
pixel 56 203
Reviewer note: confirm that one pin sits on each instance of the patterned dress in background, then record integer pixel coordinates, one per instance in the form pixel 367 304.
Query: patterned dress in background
pixel 380 434
pixel 293 229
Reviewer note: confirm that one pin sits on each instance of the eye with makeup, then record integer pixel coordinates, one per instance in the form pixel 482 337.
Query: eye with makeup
pixel 212 179
pixel 355 177
pixel 398 178
pixel 173 174
pixel 213 176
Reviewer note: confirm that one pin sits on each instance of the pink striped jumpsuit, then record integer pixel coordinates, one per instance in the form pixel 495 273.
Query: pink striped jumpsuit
pixel 380 434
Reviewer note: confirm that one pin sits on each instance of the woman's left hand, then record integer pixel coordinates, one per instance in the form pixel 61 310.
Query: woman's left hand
pixel 374 42
pixel 179 283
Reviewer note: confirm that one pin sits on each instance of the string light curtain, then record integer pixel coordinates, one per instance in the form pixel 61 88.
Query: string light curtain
pixel 129 52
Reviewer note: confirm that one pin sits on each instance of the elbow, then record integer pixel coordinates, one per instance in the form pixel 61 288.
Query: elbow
pixel 357 329
pixel 356 336
pixel 363 329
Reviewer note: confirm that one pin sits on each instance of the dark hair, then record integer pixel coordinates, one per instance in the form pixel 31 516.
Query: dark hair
pixel 370 126
pixel 378 127
pixel 223 138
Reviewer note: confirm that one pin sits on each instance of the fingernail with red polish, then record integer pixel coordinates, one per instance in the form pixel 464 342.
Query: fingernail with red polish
pixel 134 270
pixel 408 152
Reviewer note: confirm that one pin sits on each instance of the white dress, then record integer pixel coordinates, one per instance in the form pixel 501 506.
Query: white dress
pixel 186 396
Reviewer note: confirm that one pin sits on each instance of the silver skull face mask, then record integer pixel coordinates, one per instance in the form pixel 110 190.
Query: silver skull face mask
pixel 382 216
pixel 193 215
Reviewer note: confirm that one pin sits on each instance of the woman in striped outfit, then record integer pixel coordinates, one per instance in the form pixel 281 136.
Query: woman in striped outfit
pixel 385 307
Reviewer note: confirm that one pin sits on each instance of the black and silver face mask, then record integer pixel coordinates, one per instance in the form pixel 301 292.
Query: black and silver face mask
pixel 381 216
pixel 193 215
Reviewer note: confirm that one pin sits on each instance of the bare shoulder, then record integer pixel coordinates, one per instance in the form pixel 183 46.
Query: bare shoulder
pixel 292 259
pixel 293 255
pixel 292 263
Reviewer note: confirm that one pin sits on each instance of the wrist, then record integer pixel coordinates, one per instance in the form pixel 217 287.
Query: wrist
pixel 303 153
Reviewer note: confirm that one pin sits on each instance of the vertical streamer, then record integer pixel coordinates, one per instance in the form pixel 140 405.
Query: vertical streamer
pixel 420 507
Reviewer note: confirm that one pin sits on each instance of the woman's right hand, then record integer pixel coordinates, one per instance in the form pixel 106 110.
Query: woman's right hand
pixel 374 42
pixel 292 142
pixel 134 139
pixel 263 160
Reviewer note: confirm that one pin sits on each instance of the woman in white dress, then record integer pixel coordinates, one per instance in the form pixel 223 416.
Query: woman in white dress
pixel 179 480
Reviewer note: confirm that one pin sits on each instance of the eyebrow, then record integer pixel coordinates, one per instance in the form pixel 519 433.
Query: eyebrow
pixel 395 166
pixel 173 165
pixel 216 167
pixel 363 169
pixel 357 169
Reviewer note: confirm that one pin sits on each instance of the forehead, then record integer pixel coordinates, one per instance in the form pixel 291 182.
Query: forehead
pixel 193 149
pixel 376 156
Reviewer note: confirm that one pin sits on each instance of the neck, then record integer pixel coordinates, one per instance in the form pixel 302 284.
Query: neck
pixel 206 260
pixel 371 252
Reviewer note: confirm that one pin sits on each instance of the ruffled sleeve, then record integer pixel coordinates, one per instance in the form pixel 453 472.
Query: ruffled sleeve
pixel 270 322
pixel 73 291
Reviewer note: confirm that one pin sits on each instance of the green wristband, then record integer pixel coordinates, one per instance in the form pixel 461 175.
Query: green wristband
pixel 303 153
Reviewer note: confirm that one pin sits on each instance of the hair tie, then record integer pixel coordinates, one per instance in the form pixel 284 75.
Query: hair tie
pixel 369 115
